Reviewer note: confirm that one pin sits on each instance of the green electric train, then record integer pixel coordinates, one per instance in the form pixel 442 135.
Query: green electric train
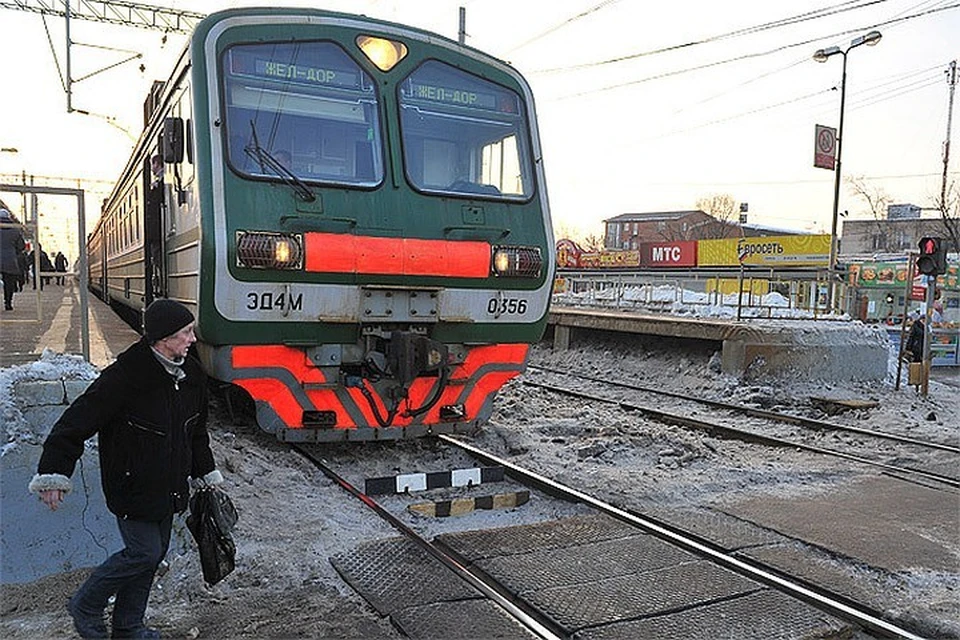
pixel 356 212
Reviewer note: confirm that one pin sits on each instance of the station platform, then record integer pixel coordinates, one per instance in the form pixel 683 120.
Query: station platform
pixel 51 319
pixel 754 348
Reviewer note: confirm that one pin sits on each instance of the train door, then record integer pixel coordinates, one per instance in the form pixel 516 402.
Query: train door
pixel 153 236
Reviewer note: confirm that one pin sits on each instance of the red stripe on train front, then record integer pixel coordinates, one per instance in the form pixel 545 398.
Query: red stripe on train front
pixel 338 253
pixel 469 384
pixel 277 395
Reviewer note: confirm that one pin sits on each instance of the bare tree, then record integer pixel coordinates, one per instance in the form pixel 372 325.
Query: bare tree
pixel 563 230
pixel 950 215
pixel 876 199
pixel 725 211
pixel 592 242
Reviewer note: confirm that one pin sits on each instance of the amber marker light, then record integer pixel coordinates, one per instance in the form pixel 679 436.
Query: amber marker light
pixel 383 53
pixel 264 250
pixel 517 262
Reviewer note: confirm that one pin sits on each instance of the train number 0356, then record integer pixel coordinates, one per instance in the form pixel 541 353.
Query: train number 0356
pixel 506 306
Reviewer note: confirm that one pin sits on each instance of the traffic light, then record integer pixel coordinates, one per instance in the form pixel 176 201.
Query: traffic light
pixel 932 260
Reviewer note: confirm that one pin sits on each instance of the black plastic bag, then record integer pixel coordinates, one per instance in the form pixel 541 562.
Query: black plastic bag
pixel 211 521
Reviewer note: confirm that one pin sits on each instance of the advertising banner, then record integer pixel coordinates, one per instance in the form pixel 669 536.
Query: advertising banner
pixel 886 274
pixel 767 251
pixel 669 254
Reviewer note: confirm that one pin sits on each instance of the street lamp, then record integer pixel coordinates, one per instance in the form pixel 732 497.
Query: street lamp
pixel 822 55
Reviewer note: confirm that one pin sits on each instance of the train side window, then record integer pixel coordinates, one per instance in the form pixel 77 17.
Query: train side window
pixel 464 135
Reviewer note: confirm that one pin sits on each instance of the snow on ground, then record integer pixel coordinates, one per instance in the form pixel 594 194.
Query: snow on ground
pixel 292 519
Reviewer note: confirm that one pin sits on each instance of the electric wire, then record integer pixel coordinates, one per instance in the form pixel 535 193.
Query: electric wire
pixel 723 36
pixel 734 59
pixel 550 30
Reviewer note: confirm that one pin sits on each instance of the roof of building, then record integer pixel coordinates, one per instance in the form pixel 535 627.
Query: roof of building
pixel 780 231
pixel 654 216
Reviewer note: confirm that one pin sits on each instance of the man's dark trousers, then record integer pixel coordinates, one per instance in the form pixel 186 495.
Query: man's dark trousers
pixel 128 574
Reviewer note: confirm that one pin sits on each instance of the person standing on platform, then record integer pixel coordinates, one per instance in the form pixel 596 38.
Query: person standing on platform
pixel 12 245
pixel 150 410
pixel 24 269
pixel 46 266
pixel 914 344
pixel 60 266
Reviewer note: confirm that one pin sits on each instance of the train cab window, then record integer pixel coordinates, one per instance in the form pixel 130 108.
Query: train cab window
pixel 464 135
pixel 307 105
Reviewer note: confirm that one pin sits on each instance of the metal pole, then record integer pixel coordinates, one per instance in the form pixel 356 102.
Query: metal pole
pixel 908 289
pixel 952 81
pixel 68 81
pixel 834 242
pixel 84 273
pixel 740 292
pixel 463 25
pixel 927 335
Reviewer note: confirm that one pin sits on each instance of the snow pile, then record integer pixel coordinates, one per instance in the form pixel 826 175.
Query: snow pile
pixel 50 367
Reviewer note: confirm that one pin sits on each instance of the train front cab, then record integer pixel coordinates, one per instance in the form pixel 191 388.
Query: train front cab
pixel 410 257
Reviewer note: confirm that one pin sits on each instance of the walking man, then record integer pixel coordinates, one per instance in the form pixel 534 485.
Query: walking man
pixel 150 410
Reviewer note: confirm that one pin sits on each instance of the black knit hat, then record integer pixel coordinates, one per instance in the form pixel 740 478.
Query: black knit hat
pixel 164 318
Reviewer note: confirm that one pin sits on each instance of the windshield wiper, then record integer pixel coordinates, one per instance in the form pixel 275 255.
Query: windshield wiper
pixel 266 160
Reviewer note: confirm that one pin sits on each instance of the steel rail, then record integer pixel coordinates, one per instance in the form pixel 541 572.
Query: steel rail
pixel 820 600
pixel 740 434
pixel 521 616
pixel 820 425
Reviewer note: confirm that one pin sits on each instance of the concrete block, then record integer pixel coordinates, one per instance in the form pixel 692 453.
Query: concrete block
pixel 40 392
pixel 561 337
pixel 40 420
pixel 75 388
pixel 81 533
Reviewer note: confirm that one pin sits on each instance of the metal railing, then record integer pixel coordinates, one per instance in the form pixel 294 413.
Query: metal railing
pixel 764 294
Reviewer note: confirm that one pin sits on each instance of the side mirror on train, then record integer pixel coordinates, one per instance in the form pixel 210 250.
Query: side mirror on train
pixel 172 140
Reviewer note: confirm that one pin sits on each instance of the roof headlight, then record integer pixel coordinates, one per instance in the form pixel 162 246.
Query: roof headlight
pixel 383 53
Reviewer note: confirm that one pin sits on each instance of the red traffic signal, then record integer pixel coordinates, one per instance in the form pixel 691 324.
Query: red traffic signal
pixel 932 260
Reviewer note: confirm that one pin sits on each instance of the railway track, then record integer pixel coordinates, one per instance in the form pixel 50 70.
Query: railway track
pixel 776 429
pixel 534 618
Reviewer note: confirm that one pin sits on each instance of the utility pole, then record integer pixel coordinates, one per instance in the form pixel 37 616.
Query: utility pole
pixel 952 82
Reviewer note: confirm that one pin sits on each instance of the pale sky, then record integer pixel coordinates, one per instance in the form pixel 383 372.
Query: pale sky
pixel 729 109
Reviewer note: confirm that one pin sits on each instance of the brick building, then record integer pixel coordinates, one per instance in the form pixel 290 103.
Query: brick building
pixel 629 230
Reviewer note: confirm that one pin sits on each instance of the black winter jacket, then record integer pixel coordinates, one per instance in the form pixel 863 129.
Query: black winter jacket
pixel 152 434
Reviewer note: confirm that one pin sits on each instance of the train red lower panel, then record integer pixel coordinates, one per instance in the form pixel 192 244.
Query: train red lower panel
pixel 296 401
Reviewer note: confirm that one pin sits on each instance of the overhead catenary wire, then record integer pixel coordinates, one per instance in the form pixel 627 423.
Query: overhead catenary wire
pixel 740 58
pixel 775 24
pixel 559 26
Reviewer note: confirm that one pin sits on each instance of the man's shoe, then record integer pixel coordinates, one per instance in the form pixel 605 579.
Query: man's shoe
pixel 88 625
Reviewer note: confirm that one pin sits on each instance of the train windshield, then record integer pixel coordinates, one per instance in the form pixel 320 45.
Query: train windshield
pixel 309 106
pixel 464 135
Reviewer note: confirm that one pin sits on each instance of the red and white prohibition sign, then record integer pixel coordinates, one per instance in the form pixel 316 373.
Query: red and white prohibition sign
pixel 825 147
